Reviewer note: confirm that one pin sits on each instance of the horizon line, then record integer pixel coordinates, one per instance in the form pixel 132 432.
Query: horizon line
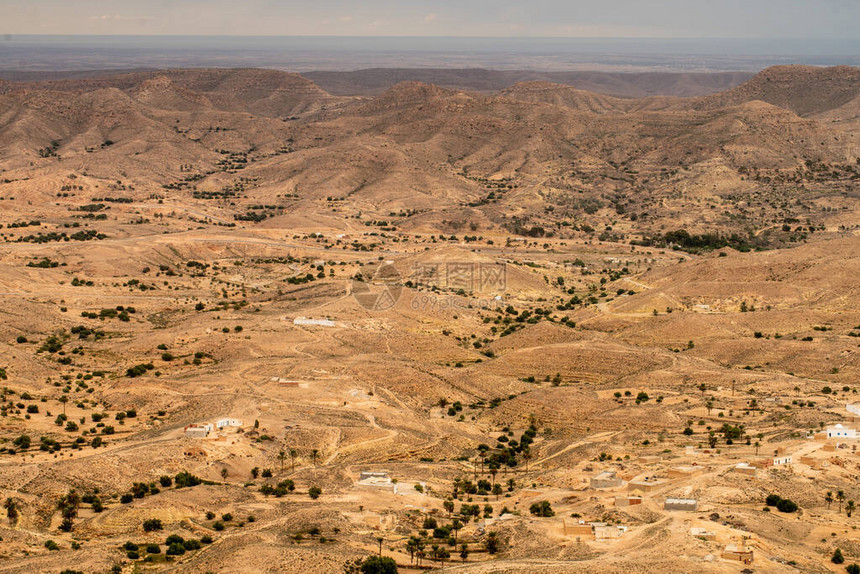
pixel 8 35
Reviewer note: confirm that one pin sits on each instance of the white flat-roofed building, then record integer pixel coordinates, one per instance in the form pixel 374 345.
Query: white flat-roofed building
pixel 687 504
pixel 222 423
pixel 198 431
pixel 839 431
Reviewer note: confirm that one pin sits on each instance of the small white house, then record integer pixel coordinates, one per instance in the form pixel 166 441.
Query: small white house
pixel 198 431
pixel 228 423
pixel 381 475
pixel 688 504
pixel 606 479
pixel 839 431
pixel 781 459
pixel 377 479
pixel 314 322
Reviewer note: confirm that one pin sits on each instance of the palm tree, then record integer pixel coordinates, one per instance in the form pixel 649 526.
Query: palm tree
pixel 379 539
pixel 712 440
pixel 64 399
pixel 494 468
pixel 709 404
pixel 840 496
pixel 412 548
pixel 456 525
pixel 11 510
pixel 443 554
pixel 849 508
pixel 419 550
pixel 527 456
pixel 314 454
pixel 281 456
pixel 828 498
pixel 293 454
pixel 757 444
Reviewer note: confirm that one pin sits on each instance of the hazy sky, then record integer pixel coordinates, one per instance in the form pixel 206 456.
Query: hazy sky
pixel 584 18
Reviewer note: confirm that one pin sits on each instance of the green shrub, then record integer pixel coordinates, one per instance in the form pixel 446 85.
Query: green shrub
pixel 176 549
pixel 378 565
pixel 541 508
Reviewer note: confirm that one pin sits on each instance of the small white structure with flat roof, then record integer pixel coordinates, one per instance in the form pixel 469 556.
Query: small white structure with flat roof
pixel 198 431
pixel 222 423
pixel 606 479
pixel 687 504
pixel 839 431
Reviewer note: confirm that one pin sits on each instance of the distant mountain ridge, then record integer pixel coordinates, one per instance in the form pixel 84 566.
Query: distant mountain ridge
pixel 262 92
pixel 776 148
pixel 374 81
pixel 805 90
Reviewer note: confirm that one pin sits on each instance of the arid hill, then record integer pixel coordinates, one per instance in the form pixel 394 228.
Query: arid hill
pixel 262 92
pixel 805 90
pixel 551 143
pixel 250 326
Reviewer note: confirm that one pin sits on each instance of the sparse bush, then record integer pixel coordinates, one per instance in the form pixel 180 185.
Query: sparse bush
pixel 185 479
pixel 174 539
pixel 378 565
pixel 542 508
pixel 175 549
pixel 837 557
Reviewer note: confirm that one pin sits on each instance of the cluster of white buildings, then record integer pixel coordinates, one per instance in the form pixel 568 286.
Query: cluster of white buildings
pixel 204 430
